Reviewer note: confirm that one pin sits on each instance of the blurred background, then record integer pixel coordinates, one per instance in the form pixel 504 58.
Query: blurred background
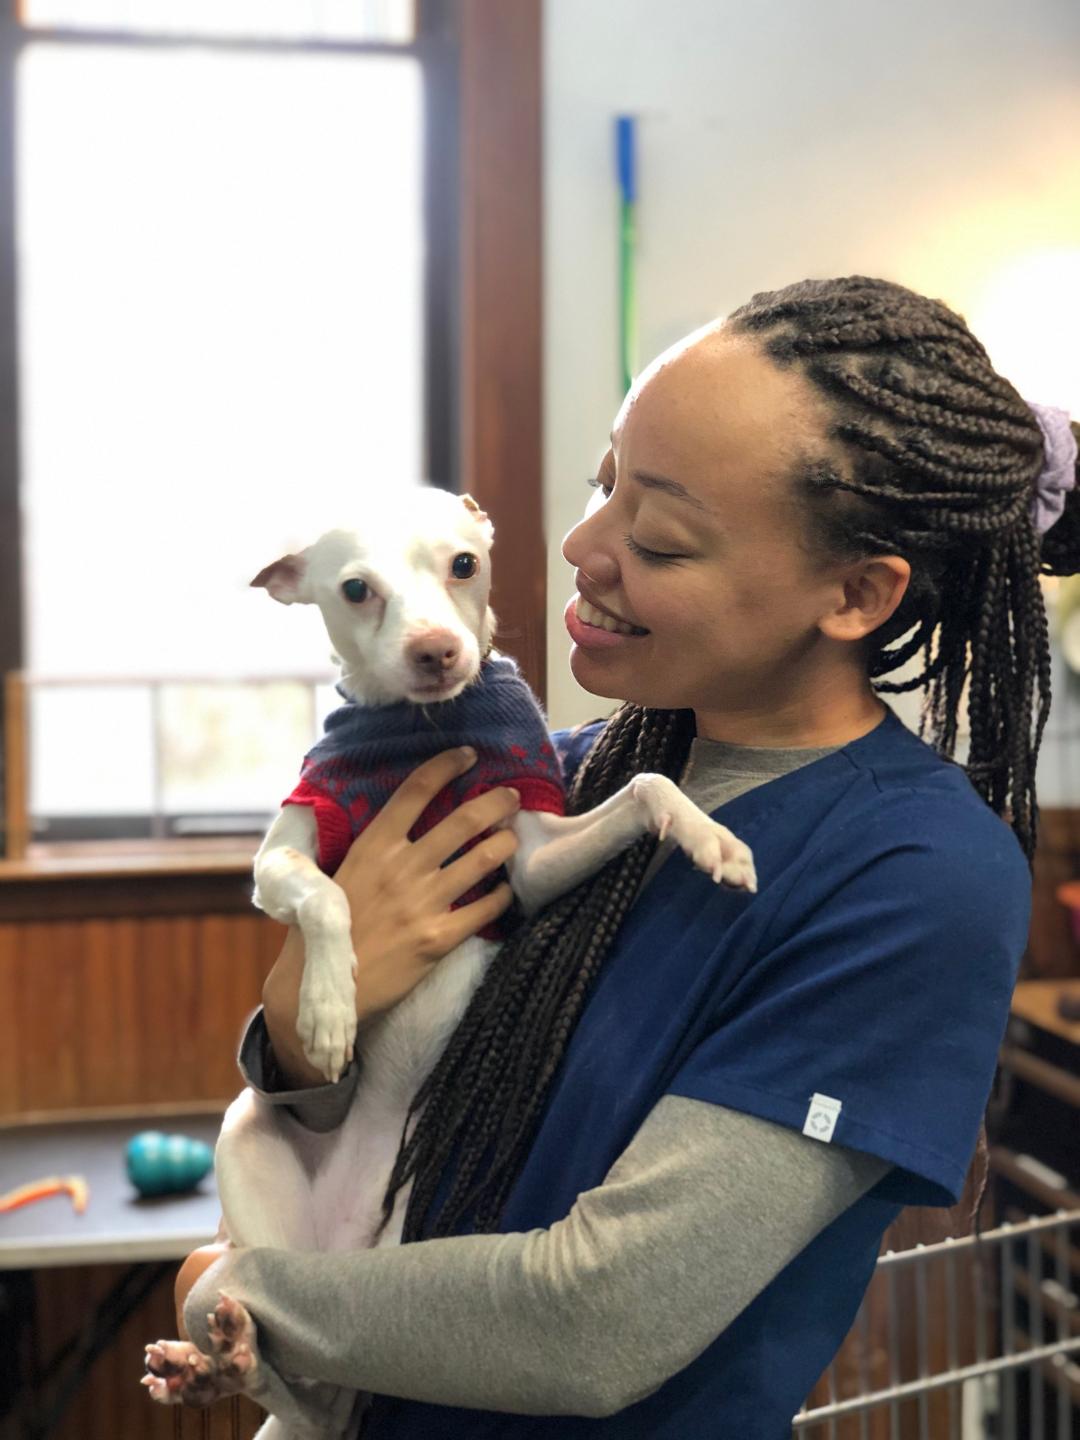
pixel 261 260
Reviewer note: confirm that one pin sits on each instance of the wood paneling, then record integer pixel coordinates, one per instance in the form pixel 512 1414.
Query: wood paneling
pixel 136 1011
pixel 111 1404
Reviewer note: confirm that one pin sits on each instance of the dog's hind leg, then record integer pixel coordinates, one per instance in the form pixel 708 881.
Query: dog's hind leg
pixel 263 1153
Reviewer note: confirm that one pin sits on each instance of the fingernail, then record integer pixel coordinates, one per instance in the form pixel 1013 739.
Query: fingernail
pixel 517 797
pixel 468 754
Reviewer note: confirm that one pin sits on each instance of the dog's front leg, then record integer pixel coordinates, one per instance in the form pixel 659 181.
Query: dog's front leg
pixel 292 889
pixel 557 852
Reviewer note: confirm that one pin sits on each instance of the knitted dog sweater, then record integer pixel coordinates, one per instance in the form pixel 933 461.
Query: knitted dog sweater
pixel 368 750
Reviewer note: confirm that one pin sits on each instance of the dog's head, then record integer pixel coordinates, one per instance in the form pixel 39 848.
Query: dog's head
pixel 404 597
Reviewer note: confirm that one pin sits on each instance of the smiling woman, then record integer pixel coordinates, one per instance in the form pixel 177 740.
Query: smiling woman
pixel 651 1171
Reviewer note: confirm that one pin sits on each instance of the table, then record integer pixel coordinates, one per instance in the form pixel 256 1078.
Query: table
pixel 150 1235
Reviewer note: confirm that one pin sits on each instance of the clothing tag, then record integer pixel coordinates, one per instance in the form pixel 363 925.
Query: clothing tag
pixel 821 1118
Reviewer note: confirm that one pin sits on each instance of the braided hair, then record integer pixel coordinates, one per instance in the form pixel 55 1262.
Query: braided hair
pixel 941 455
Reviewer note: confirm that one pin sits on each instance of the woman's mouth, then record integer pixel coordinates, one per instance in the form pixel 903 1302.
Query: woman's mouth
pixel 592 628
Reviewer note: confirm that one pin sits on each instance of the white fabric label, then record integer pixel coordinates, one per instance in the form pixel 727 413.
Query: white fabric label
pixel 821 1118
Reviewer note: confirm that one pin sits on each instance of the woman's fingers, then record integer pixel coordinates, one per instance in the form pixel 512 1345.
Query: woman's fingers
pixel 460 924
pixel 416 792
pixel 475 865
pixel 482 812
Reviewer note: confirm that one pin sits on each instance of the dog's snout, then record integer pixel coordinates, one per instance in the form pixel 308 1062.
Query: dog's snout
pixel 435 651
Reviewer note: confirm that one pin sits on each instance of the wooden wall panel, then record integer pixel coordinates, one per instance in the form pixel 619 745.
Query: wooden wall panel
pixel 110 1007
pixel 127 1012
pixel 111 1403
pixel 11 1053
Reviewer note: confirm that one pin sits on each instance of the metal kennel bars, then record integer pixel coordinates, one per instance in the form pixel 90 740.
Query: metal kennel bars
pixel 1000 1310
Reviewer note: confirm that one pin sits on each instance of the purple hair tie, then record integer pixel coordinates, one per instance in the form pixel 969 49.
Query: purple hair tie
pixel 1058 475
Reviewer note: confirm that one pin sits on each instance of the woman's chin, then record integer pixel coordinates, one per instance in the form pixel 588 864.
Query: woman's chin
pixel 597 672
pixel 591 673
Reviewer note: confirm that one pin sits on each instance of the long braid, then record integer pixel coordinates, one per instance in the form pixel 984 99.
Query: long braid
pixel 941 456
pixel 479 1106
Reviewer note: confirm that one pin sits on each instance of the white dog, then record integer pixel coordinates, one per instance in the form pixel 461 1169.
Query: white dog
pixel 405 602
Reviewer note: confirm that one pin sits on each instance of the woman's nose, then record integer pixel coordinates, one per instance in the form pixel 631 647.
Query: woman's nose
pixel 584 548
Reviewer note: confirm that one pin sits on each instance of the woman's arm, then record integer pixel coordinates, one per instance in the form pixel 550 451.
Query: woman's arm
pixel 400 896
pixel 583 1318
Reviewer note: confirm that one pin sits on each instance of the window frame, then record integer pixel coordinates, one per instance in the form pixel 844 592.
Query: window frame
pixel 482 381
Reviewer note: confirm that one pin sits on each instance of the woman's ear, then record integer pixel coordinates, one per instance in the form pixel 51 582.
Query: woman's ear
pixel 872 589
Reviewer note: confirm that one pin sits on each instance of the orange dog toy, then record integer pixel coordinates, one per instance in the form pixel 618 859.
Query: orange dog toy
pixel 73 1185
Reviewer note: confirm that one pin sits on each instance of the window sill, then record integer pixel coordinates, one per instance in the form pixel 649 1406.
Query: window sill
pixel 220 855
pixel 129 878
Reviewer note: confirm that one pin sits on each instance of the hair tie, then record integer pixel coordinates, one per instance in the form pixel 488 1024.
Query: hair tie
pixel 1058 475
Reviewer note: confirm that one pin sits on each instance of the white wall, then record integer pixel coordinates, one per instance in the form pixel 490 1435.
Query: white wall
pixel 936 145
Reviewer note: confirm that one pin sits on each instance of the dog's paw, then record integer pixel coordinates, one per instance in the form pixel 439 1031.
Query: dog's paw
pixel 326 1019
pixel 712 847
pixel 180 1374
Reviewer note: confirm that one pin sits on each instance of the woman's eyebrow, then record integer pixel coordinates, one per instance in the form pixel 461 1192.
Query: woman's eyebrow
pixel 670 487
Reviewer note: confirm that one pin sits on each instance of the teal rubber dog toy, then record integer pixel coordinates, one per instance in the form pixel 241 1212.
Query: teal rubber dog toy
pixel 160 1164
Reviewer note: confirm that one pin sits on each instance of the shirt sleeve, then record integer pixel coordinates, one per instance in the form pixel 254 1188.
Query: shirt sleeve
pixel 573 745
pixel 701 1211
pixel 316 1107
pixel 872 1011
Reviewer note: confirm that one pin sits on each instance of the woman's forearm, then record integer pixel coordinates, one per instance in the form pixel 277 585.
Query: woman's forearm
pixel 583 1318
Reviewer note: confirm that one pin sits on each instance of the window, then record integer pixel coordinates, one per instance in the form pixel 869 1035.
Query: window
pixel 225 302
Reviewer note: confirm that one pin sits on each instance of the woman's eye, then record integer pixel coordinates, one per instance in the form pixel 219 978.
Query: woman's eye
pixel 464 566
pixel 355 591
pixel 598 484
pixel 652 557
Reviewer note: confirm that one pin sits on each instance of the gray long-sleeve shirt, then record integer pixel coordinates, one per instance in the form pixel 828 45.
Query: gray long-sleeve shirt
pixel 700 1212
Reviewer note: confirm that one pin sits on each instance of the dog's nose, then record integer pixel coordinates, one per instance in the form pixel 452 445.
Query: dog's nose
pixel 437 650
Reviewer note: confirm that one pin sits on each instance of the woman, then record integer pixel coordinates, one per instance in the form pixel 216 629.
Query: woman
pixel 653 1168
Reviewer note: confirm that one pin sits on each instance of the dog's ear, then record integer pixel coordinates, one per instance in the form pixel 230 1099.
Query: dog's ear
pixel 480 516
pixel 286 579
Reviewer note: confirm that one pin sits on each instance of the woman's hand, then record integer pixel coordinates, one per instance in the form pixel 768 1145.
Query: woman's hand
pixel 198 1261
pixel 400 898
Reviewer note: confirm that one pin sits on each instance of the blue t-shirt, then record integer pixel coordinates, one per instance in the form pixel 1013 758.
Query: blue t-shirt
pixel 874 967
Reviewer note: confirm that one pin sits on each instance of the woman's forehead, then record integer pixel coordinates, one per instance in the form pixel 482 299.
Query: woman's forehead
pixel 719 406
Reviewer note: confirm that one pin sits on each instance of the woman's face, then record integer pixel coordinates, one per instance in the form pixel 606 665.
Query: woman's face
pixel 693 537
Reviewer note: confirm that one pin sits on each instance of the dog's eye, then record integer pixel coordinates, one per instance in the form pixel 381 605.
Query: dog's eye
pixel 355 590
pixel 464 567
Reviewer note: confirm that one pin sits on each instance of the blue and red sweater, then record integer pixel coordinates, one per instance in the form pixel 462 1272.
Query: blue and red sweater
pixel 368 750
